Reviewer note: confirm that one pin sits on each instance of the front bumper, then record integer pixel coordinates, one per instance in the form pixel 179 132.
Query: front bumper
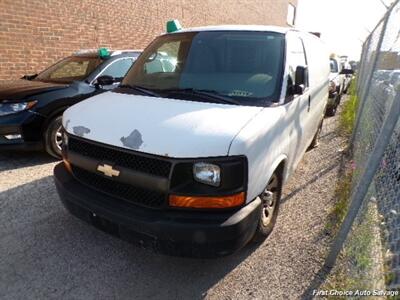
pixel 15 124
pixel 172 232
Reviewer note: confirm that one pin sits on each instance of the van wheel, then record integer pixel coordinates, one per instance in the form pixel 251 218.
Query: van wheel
pixel 331 111
pixel 339 98
pixel 315 141
pixel 53 137
pixel 270 199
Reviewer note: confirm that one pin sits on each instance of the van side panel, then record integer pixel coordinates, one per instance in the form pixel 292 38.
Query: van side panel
pixel 264 140
pixel 318 69
pixel 317 93
pixel 271 135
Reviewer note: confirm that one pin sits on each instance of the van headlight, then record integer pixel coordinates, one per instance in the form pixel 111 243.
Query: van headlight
pixel 207 173
pixel 12 108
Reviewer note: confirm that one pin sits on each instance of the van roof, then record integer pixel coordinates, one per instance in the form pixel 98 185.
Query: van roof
pixel 237 28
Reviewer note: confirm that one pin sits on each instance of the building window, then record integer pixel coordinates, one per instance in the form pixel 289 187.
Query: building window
pixel 291 15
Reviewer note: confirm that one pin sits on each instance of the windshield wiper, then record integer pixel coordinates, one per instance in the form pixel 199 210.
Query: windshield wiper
pixel 208 94
pixel 140 89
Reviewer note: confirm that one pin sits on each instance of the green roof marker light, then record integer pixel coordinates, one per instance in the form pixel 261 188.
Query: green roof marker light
pixel 173 25
pixel 103 53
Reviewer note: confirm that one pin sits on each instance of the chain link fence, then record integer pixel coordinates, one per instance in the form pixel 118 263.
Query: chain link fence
pixel 368 241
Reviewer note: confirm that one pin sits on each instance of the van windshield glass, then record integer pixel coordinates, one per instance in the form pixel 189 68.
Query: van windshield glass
pixel 244 66
pixel 334 66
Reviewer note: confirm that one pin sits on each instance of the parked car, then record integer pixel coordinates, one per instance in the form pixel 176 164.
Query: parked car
pixel 31 108
pixel 191 160
pixel 347 77
pixel 336 86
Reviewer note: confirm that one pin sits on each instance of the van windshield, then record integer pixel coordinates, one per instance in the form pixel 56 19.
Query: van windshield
pixel 334 66
pixel 244 66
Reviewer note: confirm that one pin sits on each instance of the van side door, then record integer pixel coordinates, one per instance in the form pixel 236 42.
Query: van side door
pixel 297 105
pixel 318 78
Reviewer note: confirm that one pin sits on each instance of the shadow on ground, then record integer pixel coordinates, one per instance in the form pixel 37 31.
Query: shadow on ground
pixel 49 253
pixel 15 160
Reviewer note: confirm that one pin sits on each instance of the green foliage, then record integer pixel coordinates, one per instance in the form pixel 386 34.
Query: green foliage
pixel 354 269
pixel 348 115
pixel 355 265
pixel 339 211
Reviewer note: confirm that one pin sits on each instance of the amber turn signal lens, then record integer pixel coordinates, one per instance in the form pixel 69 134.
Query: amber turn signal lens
pixel 67 165
pixel 31 104
pixel 207 202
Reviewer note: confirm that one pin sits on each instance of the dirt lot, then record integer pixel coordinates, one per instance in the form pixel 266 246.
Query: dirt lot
pixel 47 253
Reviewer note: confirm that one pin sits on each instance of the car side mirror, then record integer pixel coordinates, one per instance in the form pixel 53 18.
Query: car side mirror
pixel 104 80
pixel 29 77
pixel 300 80
pixel 347 72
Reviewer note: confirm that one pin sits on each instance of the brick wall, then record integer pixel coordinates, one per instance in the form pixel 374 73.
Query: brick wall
pixel 36 33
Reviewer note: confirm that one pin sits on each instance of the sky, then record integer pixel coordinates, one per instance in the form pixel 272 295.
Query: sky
pixel 344 24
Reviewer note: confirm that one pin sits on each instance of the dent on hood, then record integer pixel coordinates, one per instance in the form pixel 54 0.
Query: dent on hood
pixel 133 141
pixel 80 130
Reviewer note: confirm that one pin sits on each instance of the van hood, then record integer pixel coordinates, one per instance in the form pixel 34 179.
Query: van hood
pixel 159 126
pixel 21 89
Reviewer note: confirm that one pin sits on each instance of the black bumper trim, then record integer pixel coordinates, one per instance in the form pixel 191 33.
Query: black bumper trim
pixel 181 233
pixel 10 129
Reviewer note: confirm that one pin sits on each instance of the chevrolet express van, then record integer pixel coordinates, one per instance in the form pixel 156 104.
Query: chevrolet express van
pixel 189 154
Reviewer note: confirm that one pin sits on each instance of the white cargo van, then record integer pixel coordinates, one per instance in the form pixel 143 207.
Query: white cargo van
pixel 190 153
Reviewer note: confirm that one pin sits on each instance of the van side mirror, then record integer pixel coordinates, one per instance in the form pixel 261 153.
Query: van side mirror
pixel 300 80
pixel 104 80
pixel 347 72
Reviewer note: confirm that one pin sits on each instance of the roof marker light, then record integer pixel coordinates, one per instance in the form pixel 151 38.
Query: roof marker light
pixel 103 52
pixel 173 25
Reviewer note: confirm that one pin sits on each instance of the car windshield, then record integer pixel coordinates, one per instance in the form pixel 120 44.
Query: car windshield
pixel 240 65
pixel 70 69
pixel 334 66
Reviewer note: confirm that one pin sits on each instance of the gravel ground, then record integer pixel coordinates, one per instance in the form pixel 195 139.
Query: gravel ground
pixel 47 253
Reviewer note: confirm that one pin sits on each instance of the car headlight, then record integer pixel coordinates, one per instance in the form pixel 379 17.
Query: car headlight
pixel 332 86
pixel 207 173
pixel 12 108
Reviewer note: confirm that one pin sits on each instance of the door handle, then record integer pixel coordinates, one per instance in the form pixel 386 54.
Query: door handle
pixel 309 103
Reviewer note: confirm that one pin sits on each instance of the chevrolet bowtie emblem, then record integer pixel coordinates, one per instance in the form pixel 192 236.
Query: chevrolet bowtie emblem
pixel 108 170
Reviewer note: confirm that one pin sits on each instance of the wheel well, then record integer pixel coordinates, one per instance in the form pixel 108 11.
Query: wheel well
pixel 53 115
pixel 280 171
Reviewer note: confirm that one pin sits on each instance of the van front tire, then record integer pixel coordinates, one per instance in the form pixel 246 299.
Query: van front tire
pixel 270 199
pixel 331 111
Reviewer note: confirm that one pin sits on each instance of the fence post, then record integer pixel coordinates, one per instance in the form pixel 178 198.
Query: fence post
pixel 362 64
pixel 363 96
pixel 362 187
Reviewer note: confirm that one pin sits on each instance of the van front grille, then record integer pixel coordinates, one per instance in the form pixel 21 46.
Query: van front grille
pixel 120 157
pixel 127 192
